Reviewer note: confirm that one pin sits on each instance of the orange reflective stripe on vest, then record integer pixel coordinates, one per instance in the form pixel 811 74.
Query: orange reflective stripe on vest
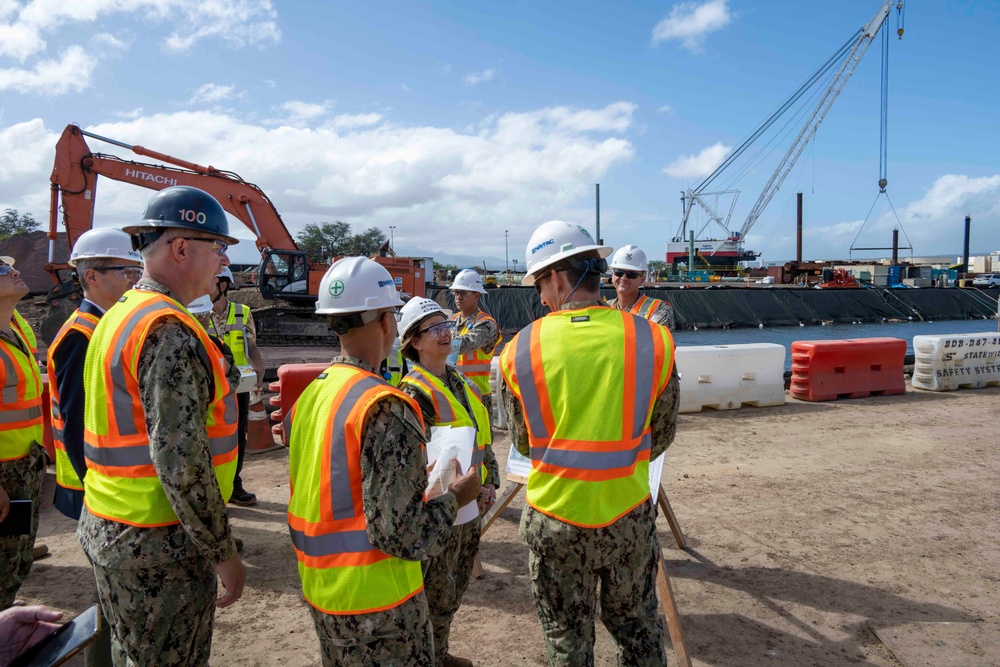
pixel 83 323
pixel 21 395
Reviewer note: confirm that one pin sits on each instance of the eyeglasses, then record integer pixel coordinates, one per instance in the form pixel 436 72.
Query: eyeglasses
pixel 538 282
pixel 631 275
pixel 439 329
pixel 128 272
pixel 220 246
pixel 5 269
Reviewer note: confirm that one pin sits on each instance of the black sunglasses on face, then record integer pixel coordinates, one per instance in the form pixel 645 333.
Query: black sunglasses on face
pixel 631 275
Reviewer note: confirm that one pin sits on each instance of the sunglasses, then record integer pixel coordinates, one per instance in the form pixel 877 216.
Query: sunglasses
pixel 5 269
pixel 129 272
pixel 538 282
pixel 631 275
pixel 439 329
pixel 220 246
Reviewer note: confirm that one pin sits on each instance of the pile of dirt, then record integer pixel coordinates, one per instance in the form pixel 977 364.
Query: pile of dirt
pixel 30 251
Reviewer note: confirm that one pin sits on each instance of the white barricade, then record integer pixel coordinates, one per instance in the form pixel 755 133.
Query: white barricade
pixel 726 377
pixel 945 363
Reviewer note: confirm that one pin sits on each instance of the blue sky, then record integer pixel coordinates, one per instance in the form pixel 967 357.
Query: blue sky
pixel 457 121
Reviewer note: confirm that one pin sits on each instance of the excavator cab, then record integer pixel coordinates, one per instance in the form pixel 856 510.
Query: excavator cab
pixel 284 274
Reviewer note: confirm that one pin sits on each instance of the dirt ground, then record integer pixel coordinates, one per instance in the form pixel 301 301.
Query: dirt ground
pixel 811 527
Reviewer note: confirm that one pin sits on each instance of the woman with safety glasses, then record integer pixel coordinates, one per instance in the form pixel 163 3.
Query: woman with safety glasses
pixel 628 273
pixel 447 398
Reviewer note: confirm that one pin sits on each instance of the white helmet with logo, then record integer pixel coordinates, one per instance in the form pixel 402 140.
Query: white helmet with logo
pixel 468 280
pixel 201 305
pixel 414 311
pixel 556 240
pixel 226 274
pixel 355 285
pixel 629 258
pixel 104 243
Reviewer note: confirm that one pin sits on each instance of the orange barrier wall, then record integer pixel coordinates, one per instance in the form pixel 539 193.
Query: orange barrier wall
pixel 825 370
pixel 292 381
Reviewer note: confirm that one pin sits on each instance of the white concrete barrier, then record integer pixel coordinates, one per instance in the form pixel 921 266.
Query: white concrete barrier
pixel 946 363
pixel 726 377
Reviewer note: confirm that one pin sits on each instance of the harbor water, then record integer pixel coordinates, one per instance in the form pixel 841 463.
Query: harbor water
pixel 788 335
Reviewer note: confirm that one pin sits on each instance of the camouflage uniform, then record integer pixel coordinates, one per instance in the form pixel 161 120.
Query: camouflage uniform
pixel 446 576
pixel 483 335
pixel 22 480
pixel 394 476
pixel 664 313
pixel 566 562
pixel 157 585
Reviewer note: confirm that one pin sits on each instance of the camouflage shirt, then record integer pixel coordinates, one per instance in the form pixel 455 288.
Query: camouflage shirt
pixel 664 313
pixel 663 424
pixel 456 385
pixel 482 336
pixel 175 388
pixel 393 480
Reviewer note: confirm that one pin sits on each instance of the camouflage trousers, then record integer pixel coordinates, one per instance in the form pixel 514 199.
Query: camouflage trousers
pixel 566 563
pixel 397 637
pixel 159 616
pixel 22 480
pixel 446 576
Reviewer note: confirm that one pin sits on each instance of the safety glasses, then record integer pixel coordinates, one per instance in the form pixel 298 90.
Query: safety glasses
pixel 439 329
pixel 220 246
pixel 127 272
pixel 5 269
pixel 631 275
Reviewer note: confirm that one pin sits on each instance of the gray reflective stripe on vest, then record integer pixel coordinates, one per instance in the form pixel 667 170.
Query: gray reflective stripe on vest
pixel 13 416
pixel 223 444
pixel 121 457
pixel 10 390
pixel 57 434
pixel 341 498
pixel 121 399
pixel 331 544
pixel 644 380
pixel 590 460
pixel 230 414
pixel 478 455
pixel 475 367
pixel 526 383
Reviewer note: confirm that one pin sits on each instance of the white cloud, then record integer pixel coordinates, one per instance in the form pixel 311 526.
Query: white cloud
pixel 666 108
pixel 691 22
pixel 300 113
pixel 71 72
pixel 693 166
pixel 444 188
pixel 211 93
pixel 474 78
pixel 130 115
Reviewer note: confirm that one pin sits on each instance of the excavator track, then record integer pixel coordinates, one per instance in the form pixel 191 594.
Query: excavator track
pixel 288 326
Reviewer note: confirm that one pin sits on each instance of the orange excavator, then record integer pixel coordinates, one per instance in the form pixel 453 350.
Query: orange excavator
pixel 285 277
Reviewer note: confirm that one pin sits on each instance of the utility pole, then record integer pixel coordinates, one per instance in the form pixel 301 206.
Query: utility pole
pixel 598 204
pixel 391 241
pixel 506 253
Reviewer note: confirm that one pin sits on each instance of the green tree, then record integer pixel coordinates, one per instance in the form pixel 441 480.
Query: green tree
pixel 438 266
pixel 12 222
pixel 367 242
pixel 657 268
pixel 325 240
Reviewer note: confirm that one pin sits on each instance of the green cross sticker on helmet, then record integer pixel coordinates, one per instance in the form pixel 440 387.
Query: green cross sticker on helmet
pixel 356 285
pixel 336 288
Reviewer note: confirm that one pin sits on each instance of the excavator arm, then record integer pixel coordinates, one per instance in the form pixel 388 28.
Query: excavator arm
pixel 75 176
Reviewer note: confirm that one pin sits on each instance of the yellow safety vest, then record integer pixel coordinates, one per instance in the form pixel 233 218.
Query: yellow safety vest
pixel 21 396
pixel 84 323
pixel 394 367
pixel 449 411
pixel 121 482
pixel 476 364
pixel 234 331
pixel 341 571
pixel 588 380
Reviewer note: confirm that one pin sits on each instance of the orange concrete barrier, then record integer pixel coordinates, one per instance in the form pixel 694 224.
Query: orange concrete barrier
pixel 292 381
pixel 259 436
pixel 825 370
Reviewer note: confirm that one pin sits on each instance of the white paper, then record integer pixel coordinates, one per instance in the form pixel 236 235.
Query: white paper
pixel 518 464
pixel 448 443
pixel 655 475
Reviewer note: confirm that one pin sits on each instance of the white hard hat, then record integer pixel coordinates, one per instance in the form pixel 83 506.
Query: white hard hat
pixel 9 261
pixel 356 285
pixel 630 258
pixel 556 240
pixel 468 280
pixel 415 310
pixel 227 274
pixel 201 305
pixel 104 243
